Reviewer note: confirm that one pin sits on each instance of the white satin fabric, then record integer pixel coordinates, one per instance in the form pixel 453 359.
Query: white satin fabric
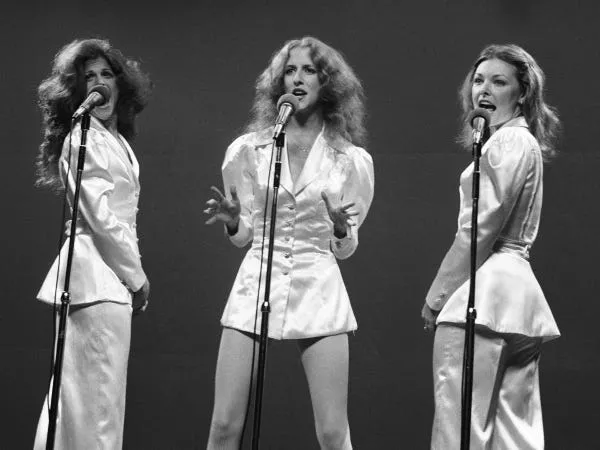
pixel 506 412
pixel 91 408
pixel 308 296
pixel 106 268
pixel 508 297
pixel 106 257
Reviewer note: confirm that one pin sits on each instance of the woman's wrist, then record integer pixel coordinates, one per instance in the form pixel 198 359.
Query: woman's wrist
pixel 233 225
pixel 340 233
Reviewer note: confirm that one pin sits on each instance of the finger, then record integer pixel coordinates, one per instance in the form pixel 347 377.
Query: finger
pixel 212 203
pixel 210 221
pixel 351 223
pixel 352 213
pixel 233 191
pixel 218 192
pixel 326 200
pixel 347 205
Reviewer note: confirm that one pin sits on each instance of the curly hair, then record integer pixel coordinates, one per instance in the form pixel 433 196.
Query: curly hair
pixel 542 118
pixel 60 94
pixel 342 96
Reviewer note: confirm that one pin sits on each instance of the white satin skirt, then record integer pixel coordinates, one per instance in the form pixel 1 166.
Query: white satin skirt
pixel 506 411
pixel 91 409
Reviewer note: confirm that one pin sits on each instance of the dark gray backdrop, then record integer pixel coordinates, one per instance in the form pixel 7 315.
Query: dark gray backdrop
pixel 204 57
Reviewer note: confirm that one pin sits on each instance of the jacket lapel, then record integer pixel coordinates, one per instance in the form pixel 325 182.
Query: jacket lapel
pixel 264 143
pixel 121 149
pixel 135 165
pixel 318 161
pixel 286 175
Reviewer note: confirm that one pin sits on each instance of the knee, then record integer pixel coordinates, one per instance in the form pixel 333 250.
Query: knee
pixel 334 435
pixel 225 430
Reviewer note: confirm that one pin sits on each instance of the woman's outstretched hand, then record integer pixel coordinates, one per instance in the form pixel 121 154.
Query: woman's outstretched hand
pixel 224 209
pixel 340 216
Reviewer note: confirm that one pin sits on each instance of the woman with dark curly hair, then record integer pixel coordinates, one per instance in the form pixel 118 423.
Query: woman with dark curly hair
pixel 513 317
pixel 326 190
pixel 107 281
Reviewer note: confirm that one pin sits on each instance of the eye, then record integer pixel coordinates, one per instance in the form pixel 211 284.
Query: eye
pixel 477 80
pixel 500 83
pixel 89 76
pixel 310 70
pixel 107 74
pixel 289 70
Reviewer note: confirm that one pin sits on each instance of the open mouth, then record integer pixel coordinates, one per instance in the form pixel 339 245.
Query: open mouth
pixel 299 92
pixel 486 105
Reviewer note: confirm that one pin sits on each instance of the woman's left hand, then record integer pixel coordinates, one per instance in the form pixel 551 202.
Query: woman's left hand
pixel 140 299
pixel 429 316
pixel 340 216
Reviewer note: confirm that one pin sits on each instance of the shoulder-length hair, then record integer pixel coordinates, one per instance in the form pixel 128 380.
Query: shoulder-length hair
pixel 62 92
pixel 342 96
pixel 541 118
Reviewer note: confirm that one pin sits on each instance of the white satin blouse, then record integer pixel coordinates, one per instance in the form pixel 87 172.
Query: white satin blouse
pixel 508 298
pixel 106 259
pixel 308 297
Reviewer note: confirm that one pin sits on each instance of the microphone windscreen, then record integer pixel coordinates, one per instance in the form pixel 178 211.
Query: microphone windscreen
pixel 103 90
pixel 479 112
pixel 291 99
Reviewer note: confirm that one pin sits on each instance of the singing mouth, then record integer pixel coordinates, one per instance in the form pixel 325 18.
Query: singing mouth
pixel 299 92
pixel 487 105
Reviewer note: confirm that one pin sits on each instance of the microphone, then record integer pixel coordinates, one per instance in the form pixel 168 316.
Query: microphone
pixel 479 120
pixel 287 105
pixel 98 96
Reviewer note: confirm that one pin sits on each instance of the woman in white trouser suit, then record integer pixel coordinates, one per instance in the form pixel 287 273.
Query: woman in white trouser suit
pixel 107 281
pixel 513 317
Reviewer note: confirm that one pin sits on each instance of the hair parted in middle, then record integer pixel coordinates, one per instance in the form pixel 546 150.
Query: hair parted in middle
pixel 342 96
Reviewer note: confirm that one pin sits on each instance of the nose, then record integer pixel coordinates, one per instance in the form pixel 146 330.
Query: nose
pixel 297 78
pixel 483 88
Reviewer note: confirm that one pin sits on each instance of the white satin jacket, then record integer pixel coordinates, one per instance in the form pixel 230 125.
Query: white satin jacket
pixel 106 259
pixel 508 298
pixel 308 296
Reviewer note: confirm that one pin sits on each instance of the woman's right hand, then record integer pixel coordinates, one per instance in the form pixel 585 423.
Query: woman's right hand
pixel 224 209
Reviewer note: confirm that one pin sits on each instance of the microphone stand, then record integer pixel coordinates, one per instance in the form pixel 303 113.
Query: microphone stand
pixel 266 306
pixel 65 298
pixel 469 350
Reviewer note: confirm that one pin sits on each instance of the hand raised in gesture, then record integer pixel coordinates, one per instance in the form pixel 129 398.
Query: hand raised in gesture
pixel 340 216
pixel 224 209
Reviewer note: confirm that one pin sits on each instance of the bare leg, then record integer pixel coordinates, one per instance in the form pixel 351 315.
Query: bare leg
pixel 325 362
pixel 231 390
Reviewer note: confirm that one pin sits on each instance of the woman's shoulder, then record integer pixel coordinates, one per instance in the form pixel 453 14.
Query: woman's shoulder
pixel 347 148
pixel 252 139
pixel 95 137
pixel 515 132
pixel 513 142
pixel 244 147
